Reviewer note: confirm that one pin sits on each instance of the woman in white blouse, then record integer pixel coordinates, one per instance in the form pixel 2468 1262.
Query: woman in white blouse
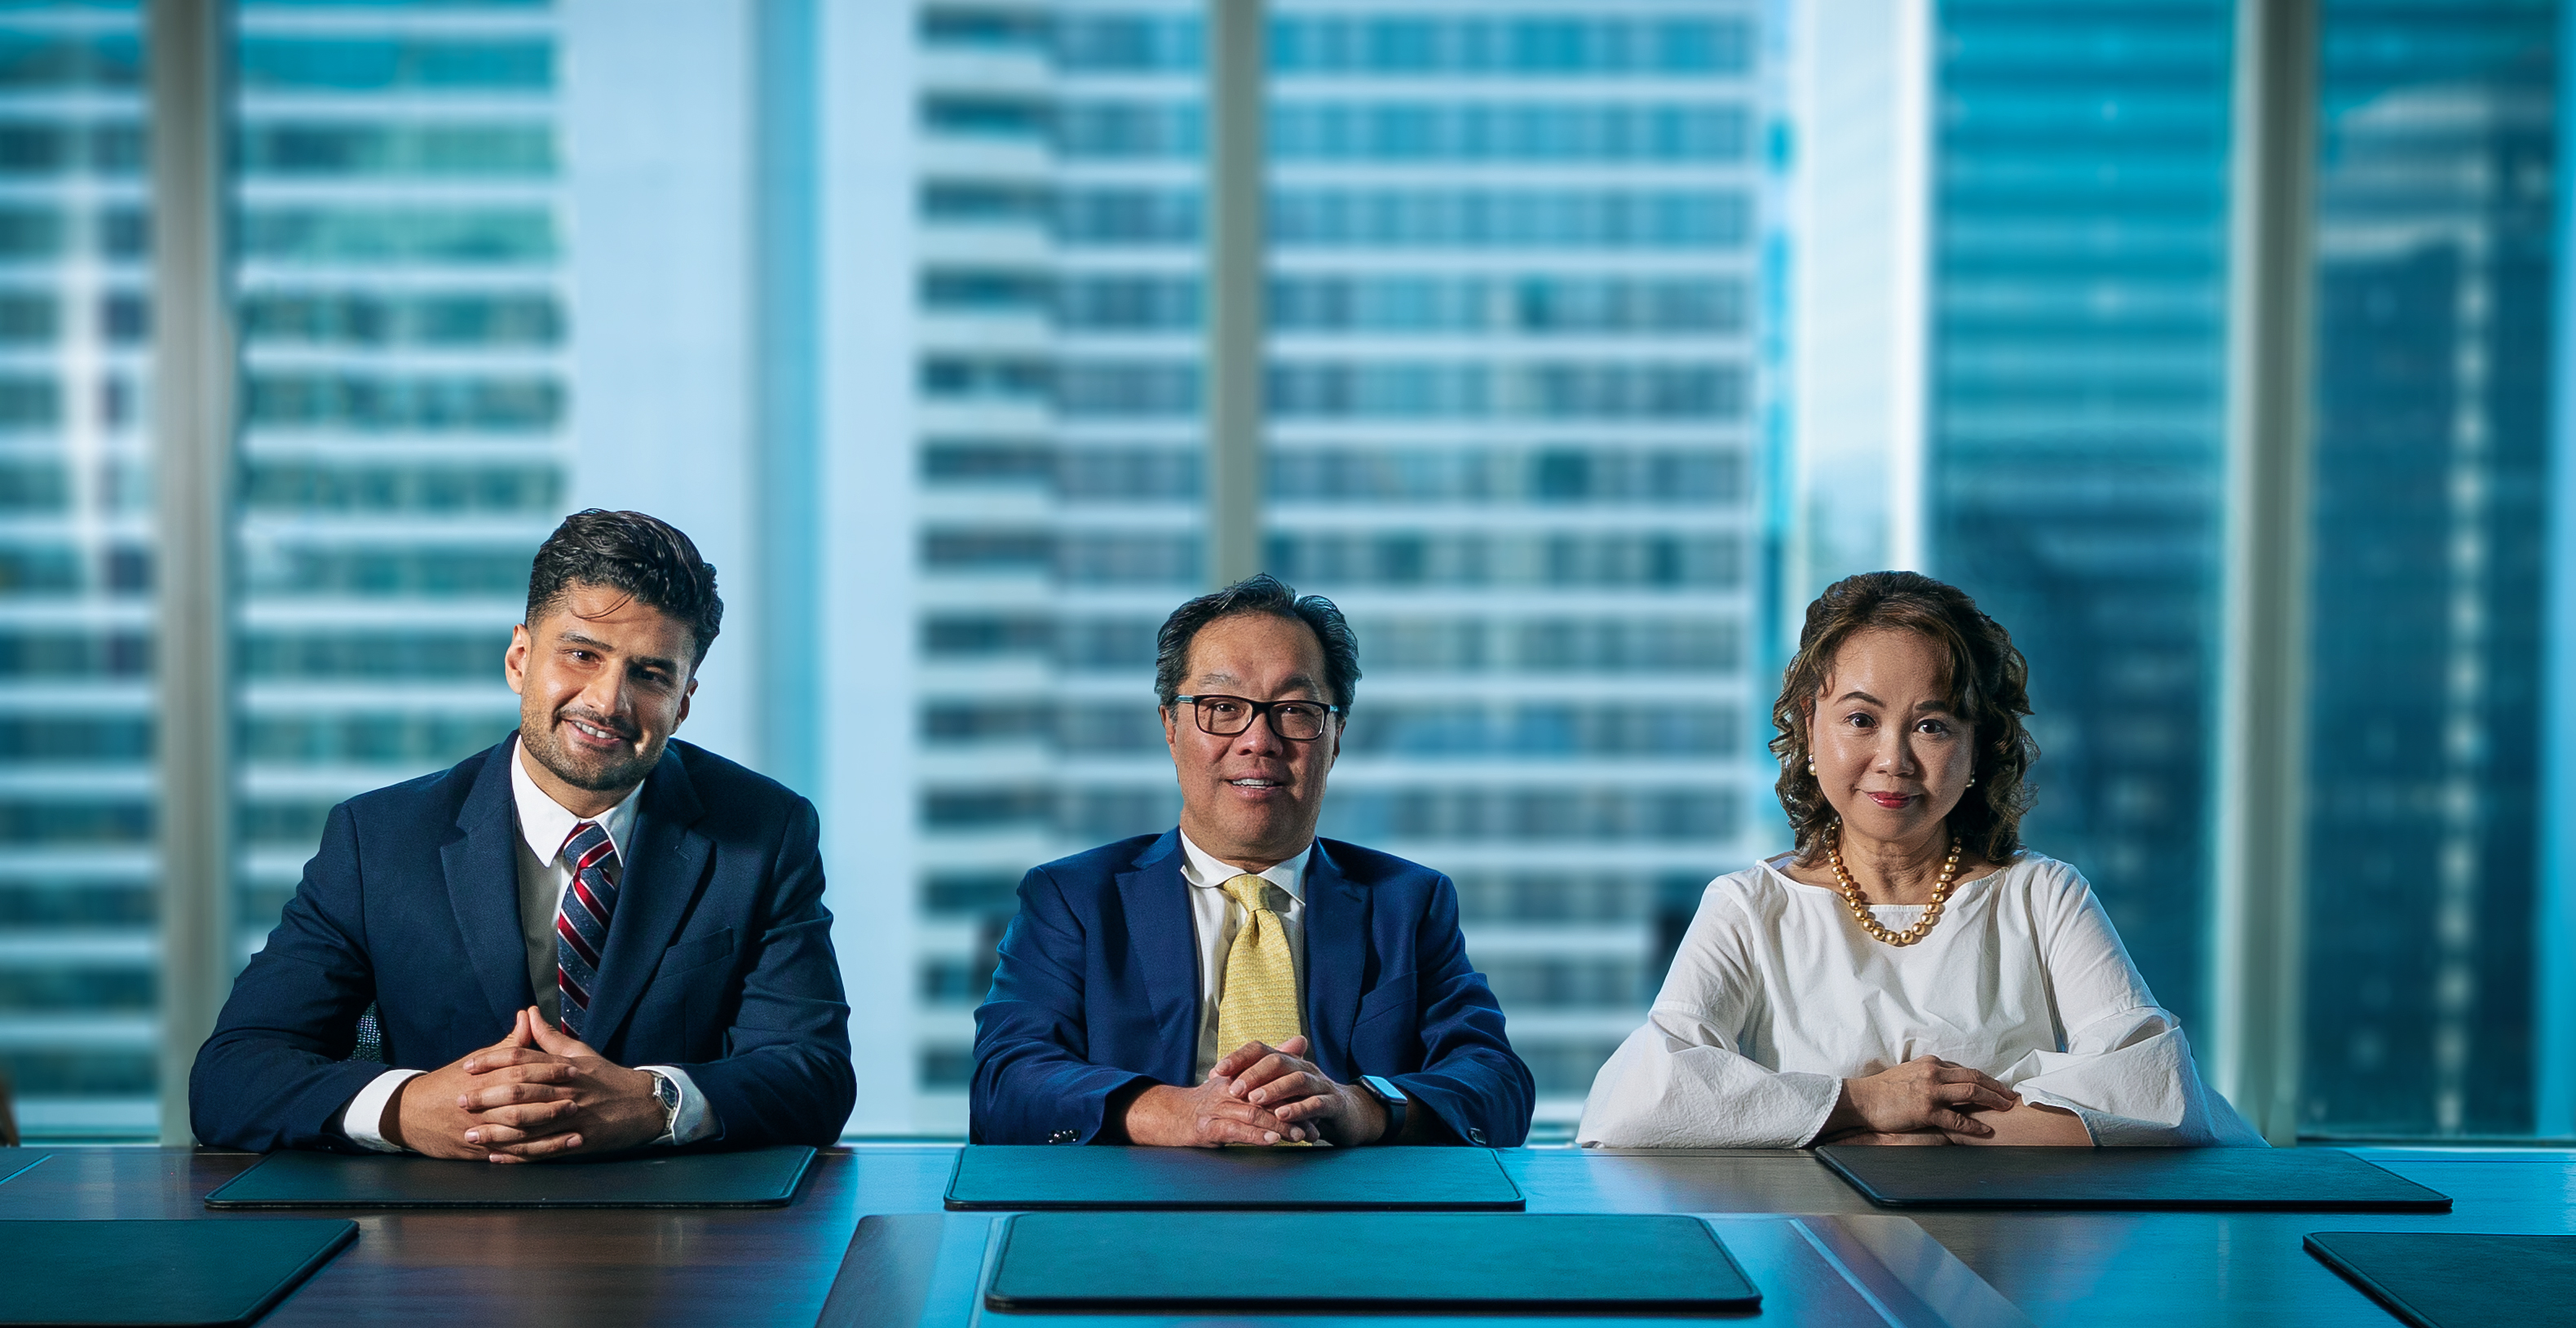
pixel 1909 974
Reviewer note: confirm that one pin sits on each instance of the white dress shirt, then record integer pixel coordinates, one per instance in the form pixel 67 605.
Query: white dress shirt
pixel 544 875
pixel 1215 917
pixel 1776 996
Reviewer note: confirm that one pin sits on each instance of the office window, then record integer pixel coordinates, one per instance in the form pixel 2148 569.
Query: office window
pixel 2076 449
pixel 79 1012
pixel 2438 246
pixel 1530 298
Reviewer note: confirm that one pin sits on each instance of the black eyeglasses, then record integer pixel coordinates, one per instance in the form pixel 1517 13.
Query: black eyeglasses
pixel 1226 716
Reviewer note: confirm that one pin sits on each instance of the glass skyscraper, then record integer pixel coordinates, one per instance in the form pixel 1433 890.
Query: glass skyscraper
pixel 78 868
pixel 403 449
pixel 2437 252
pixel 2074 482
pixel 404 400
pixel 1510 401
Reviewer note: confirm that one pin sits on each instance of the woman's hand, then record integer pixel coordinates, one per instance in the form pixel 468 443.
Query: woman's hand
pixel 1926 1093
pixel 2031 1125
pixel 1918 1138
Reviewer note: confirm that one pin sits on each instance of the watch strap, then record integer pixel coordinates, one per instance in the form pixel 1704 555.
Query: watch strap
pixel 1393 1099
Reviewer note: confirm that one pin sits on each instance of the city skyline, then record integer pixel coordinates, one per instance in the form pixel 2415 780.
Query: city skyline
pixel 895 309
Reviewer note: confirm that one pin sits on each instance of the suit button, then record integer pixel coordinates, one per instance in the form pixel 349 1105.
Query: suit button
pixel 1062 1137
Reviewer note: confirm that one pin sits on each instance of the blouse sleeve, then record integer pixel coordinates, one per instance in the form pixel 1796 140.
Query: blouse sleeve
pixel 1683 1081
pixel 2127 1069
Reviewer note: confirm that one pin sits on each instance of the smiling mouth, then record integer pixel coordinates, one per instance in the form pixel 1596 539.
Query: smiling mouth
pixel 1256 783
pixel 594 732
pixel 1892 799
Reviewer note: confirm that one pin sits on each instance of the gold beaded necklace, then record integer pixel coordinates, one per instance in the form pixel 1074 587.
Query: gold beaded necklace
pixel 1860 909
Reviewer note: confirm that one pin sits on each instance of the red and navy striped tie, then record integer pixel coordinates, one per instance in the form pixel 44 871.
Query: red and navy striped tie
pixel 581 925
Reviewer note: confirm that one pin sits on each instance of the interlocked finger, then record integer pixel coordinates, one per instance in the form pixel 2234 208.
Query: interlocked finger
pixel 509 1095
pixel 1293 1087
pixel 528 1115
pixel 536 1150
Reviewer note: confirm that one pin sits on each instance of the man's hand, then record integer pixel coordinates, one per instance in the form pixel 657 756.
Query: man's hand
pixel 555 1097
pixel 427 1113
pixel 1203 1117
pixel 1925 1093
pixel 1281 1080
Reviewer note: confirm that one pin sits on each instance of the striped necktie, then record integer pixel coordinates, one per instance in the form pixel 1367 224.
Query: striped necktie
pixel 581 923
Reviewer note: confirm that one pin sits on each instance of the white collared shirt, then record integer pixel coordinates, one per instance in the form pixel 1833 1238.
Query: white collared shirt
pixel 544 875
pixel 1215 917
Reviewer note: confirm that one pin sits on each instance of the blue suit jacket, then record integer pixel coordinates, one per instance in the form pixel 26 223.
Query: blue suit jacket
pixel 719 959
pixel 1098 988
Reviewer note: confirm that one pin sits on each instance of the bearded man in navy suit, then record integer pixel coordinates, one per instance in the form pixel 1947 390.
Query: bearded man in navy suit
pixel 587 939
pixel 1237 980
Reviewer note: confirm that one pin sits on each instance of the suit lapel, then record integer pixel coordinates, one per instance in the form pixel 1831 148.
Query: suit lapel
pixel 482 867
pixel 663 864
pixel 1337 933
pixel 1156 902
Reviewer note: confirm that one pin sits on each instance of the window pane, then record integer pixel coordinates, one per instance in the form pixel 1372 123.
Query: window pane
pixel 2437 225
pixel 2077 447
pixel 79 999
pixel 406 401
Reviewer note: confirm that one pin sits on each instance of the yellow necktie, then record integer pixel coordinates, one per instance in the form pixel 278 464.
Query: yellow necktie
pixel 1259 1003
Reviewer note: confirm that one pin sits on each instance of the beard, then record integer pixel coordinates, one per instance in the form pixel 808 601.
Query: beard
pixel 597 774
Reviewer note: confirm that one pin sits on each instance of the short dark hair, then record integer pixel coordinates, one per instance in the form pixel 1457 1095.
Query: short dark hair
pixel 644 556
pixel 1259 593
pixel 1989 685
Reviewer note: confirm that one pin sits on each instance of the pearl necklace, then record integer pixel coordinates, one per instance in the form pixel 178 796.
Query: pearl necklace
pixel 1860 908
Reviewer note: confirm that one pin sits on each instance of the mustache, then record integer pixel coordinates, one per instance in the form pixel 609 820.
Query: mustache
pixel 593 718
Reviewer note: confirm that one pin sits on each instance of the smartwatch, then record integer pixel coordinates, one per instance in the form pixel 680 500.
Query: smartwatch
pixel 666 1090
pixel 1390 1097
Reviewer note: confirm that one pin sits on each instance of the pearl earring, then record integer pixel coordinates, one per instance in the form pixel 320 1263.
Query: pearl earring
pixel 1972 781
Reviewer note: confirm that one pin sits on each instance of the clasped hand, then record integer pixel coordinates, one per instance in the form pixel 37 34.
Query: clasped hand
pixel 1928 1100
pixel 537 1093
pixel 1257 1094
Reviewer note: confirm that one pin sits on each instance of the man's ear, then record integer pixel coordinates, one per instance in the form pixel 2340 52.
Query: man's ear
pixel 1171 729
pixel 514 661
pixel 687 694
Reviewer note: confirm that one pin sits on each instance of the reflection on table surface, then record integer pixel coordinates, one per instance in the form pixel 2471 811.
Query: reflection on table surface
pixel 2155 1270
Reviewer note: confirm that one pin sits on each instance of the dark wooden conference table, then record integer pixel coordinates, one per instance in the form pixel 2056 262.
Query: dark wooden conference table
pixel 777 1266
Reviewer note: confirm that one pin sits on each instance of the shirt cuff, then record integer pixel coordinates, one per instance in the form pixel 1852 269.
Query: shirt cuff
pixel 695 1120
pixel 364 1119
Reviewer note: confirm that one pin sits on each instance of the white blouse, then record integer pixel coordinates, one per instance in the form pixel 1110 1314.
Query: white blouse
pixel 1776 996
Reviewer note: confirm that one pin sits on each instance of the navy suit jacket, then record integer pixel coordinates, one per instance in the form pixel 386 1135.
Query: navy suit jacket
pixel 1098 989
pixel 719 958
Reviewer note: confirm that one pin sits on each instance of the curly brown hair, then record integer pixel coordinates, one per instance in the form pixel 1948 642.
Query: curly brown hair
pixel 1989 684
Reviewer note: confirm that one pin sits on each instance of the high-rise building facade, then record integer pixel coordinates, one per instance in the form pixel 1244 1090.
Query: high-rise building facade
pixel 2438 243
pixel 2076 439
pixel 1512 290
pixel 79 955
pixel 405 441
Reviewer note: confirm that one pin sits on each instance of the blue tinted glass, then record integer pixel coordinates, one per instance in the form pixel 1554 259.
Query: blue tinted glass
pixel 2433 360
pixel 361 65
pixel 2077 434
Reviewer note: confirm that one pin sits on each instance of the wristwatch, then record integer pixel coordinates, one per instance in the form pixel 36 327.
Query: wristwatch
pixel 666 1090
pixel 1390 1097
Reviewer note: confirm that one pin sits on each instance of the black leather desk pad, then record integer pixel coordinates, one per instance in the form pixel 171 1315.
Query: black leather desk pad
pixel 2457 1280
pixel 2281 1179
pixel 1075 1176
pixel 1375 1262
pixel 15 1160
pixel 159 1272
pixel 760 1178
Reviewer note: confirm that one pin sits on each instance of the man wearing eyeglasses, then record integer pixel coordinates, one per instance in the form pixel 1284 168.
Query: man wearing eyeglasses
pixel 1237 980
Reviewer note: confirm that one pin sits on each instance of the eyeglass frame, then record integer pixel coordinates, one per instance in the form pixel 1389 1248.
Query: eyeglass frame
pixel 1261 714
